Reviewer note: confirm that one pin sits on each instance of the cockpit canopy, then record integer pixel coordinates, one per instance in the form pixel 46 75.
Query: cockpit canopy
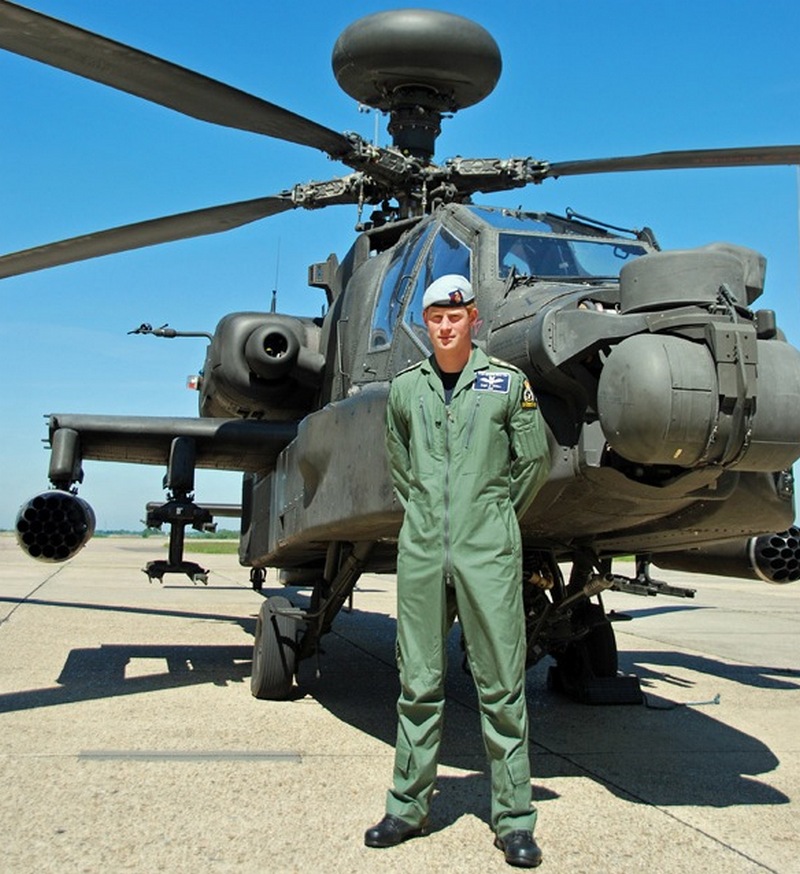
pixel 544 246
pixel 535 245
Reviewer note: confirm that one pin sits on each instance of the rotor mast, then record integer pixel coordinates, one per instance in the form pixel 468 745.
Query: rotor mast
pixel 416 65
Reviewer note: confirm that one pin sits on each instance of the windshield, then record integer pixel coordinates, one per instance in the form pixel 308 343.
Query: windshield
pixel 559 256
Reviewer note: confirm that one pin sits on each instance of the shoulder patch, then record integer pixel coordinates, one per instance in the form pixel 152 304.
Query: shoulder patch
pixel 529 401
pixel 487 380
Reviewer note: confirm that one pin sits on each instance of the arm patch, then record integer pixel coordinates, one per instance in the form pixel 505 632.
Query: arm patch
pixel 528 397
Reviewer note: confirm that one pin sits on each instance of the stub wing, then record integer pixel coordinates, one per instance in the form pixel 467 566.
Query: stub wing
pixel 220 444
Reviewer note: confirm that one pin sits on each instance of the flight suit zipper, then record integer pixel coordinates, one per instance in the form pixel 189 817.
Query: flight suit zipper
pixel 429 437
pixel 448 553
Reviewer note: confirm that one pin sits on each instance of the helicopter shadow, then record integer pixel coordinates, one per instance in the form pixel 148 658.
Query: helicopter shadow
pixel 658 753
pixel 102 671
pixel 651 755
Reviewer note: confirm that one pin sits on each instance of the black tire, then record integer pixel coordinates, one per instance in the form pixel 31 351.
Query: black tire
pixel 594 655
pixel 274 651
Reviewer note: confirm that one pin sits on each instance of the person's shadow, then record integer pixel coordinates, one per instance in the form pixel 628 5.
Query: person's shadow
pixel 653 753
pixel 650 754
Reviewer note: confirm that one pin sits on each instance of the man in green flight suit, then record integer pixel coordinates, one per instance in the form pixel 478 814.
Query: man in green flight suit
pixel 467 453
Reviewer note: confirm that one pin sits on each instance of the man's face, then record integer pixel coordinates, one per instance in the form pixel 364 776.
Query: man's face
pixel 450 328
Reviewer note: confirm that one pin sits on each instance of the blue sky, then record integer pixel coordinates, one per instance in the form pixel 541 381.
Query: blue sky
pixel 580 79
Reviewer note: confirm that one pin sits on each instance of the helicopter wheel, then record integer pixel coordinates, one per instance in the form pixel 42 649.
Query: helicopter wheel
pixel 594 655
pixel 274 651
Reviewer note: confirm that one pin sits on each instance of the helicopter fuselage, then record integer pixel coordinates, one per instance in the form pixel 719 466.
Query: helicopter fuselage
pixel 672 407
pixel 660 438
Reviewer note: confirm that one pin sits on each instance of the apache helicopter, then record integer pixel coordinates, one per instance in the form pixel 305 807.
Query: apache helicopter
pixel 672 406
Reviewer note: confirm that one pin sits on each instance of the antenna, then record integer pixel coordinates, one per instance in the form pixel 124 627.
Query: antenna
pixel 274 304
pixel 362 107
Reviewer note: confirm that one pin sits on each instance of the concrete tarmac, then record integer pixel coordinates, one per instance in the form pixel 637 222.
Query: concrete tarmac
pixel 129 740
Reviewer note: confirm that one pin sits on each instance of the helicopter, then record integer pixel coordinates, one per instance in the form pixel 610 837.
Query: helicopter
pixel 672 405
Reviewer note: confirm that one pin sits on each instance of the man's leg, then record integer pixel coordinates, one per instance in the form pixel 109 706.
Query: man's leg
pixel 424 615
pixel 491 613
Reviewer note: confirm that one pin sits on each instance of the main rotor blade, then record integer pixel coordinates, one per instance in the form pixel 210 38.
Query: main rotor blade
pixel 87 54
pixel 197 223
pixel 691 158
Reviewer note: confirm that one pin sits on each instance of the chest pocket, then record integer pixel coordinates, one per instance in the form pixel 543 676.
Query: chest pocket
pixel 472 417
pixel 426 423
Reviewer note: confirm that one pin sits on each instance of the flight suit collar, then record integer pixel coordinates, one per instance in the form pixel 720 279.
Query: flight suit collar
pixel 478 360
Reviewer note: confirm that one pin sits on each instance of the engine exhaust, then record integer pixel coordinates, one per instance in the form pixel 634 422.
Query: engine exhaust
pixel 54 526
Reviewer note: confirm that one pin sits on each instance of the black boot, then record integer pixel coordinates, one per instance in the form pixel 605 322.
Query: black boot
pixel 521 849
pixel 391 831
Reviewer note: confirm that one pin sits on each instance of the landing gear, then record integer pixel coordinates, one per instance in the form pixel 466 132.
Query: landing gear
pixel 344 564
pixel 562 621
pixel 285 634
pixel 595 654
pixel 257 577
pixel 274 650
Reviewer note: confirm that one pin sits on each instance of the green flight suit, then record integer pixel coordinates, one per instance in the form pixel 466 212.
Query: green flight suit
pixel 464 473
